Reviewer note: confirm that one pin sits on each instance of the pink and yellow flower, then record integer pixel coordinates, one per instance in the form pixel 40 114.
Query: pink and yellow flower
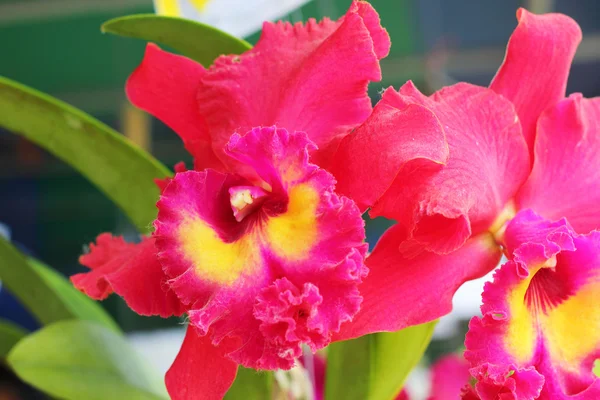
pixel 286 273
pixel 254 244
pixel 538 337
pixel 261 267
pixel 488 153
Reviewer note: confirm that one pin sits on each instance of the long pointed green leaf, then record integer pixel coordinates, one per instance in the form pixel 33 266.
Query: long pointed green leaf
pixel 83 360
pixel 374 367
pixel 251 385
pixel 44 292
pixel 10 334
pixel 120 169
pixel 197 41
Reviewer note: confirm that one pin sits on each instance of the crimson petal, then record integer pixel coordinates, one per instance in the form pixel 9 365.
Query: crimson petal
pixel 536 66
pixel 130 270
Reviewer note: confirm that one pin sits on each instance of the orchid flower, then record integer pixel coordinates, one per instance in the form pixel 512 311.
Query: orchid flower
pixel 485 154
pixel 538 337
pixel 254 244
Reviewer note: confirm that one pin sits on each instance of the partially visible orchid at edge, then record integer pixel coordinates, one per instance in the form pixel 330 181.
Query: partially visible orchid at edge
pixel 462 199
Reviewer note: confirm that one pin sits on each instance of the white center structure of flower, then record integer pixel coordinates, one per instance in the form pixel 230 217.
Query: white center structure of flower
pixel 239 200
pixel 245 199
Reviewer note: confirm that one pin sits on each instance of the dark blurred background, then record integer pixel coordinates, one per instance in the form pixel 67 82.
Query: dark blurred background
pixel 56 46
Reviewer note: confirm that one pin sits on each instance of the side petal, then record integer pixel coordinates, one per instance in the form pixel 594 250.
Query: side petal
pixel 401 292
pixel 566 170
pixel 536 66
pixel 130 270
pixel 540 313
pixel 200 370
pixel 297 77
pixel 369 159
pixel 442 206
pixel 165 85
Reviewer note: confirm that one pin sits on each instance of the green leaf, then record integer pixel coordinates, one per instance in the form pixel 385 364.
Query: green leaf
pixel 251 385
pixel 121 170
pixel 44 292
pixel 374 367
pixel 200 42
pixel 10 334
pixel 83 360
pixel 597 368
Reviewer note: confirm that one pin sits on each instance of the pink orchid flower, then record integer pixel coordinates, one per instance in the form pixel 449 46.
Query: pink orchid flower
pixel 488 153
pixel 538 337
pixel 253 244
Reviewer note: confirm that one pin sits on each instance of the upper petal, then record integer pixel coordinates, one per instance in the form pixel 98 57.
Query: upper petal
pixel 540 313
pixel 284 274
pixel 565 178
pixel 130 270
pixel 297 76
pixel 536 66
pixel 165 85
pixel 369 159
pixel 401 292
pixel 200 370
pixel 440 206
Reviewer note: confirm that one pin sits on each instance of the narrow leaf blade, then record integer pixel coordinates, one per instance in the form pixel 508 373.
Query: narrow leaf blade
pixel 44 292
pixel 10 334
pixel 374 367
pixel 200 42
pixel 396 354
pixel 120 169
pixel 251 385
pixel 83 360
pixel 80 306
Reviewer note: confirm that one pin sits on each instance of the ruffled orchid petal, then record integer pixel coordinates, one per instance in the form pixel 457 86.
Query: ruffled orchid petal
pixel 505 382
pixel 400 292
pixel 540 314
pixel 442 206
pixel 566 170
pixel 396 138
pixel 285 274
pixel 200 370
pixel 130 270
pixel 536 66
pixel 165 85
pixel 530 228
pixel 449 375
pixel 287 80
